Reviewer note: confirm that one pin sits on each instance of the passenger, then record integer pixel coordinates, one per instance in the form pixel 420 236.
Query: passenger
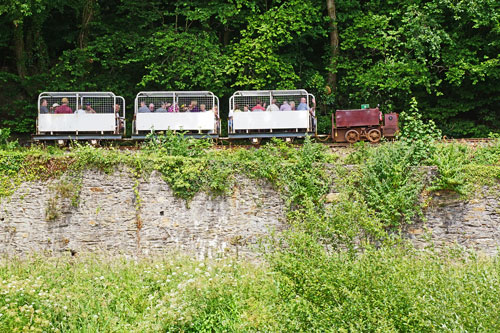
pixel 151 107
pixel 258 107
pixel 237 108
pixel 312 111
pixel 203 108
pixel 246 108
pixel 230 120
pixel 53 107
pixel 64 108
pixel 273 106
pixel 43 107
pixel 285 106
pixel 292 105
pixel 88 108
pixel 143 108
pixel 119 120
pixel 80 110
pixel 162 108
pixel 193 107
pixel 173 108
pixel 215 109
pixel 303 105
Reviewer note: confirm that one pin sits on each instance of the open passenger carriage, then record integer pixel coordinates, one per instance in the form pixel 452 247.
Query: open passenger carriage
pixel 196 113
pixel 80 116
pixel 257 114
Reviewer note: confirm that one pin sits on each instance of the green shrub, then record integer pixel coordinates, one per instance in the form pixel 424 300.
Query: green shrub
pixel 390 184
pixel 176 144
pixel 417 133
pixel 450 160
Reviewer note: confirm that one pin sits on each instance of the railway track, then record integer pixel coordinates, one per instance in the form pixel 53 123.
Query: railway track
pixel 228 144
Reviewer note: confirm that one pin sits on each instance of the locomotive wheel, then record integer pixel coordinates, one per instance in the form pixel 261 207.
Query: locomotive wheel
pixel 352 136
pixel 374 135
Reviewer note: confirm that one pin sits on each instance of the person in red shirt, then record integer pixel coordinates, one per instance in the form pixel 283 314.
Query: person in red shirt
pixel 259 107
pixel 64 108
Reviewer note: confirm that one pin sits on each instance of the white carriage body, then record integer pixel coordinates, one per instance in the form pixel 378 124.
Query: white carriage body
pixel 178 120
pixel 271 120
pixel 299 120
pixel 103 118
pixel 76 122
pixel 175 121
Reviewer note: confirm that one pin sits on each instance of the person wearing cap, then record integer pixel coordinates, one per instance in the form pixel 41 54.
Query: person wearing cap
pixel 64 108
pixel 53 107
pixel 88 108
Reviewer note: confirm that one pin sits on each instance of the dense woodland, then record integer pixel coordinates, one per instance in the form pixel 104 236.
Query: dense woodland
pixel 445 53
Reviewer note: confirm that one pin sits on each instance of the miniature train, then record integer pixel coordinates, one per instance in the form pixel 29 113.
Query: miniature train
pixel 253 114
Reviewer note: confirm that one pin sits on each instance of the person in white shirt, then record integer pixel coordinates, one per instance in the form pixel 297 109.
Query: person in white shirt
pixel 80 110
pixel 273 106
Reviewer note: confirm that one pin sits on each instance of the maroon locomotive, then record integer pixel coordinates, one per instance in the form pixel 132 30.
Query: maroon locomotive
pixel 354 125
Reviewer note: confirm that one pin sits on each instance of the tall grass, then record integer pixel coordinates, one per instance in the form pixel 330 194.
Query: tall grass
pixel 390 289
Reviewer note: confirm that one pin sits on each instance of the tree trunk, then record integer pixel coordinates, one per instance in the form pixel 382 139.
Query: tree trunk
pixel 19 50
pixel 227 36
pixel 87 15
pixel 334 43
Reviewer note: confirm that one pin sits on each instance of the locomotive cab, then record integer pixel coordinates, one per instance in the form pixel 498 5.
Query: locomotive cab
pixel 390 128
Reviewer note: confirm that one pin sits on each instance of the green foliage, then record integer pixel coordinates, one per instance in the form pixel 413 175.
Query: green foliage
pixel 390 184
pixel 4 139
pixel 418 134
pixel 451 162
pixel 489 154
pixel 176 144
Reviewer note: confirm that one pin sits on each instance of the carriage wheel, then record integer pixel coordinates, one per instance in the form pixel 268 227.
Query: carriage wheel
pixel 352 136
pixel 374 135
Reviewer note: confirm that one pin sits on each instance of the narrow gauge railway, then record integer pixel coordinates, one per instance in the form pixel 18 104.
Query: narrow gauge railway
pixel 254 115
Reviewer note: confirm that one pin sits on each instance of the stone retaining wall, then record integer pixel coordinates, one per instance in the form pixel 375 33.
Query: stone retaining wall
pixel 106 218
pixel 451 220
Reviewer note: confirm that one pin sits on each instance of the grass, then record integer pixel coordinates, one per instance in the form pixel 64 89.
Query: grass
pixel 393 289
